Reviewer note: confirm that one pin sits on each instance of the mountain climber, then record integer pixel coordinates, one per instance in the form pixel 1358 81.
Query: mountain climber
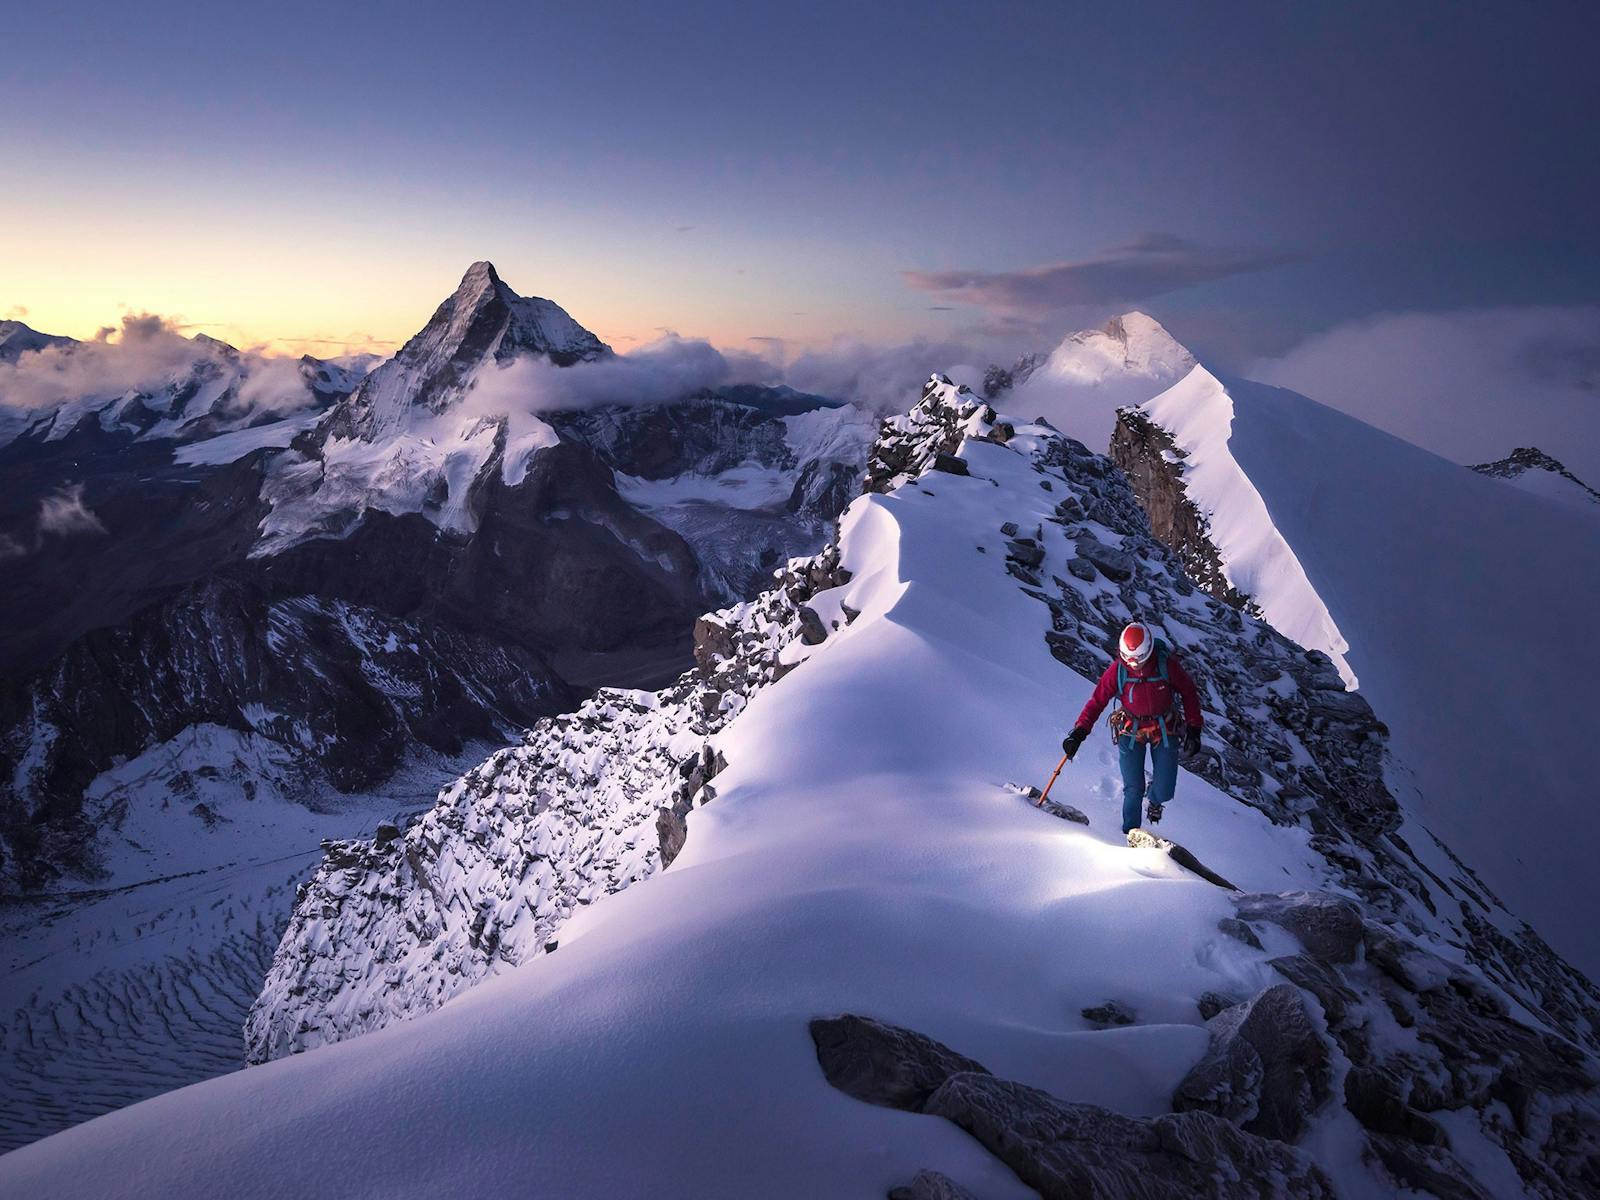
pixel 1149 682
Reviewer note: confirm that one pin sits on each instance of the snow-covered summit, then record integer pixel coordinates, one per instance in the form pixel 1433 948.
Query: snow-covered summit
pixel 16 339
pixel 1134 343
pixel 1094 372
pixel 1532 470
pixel 483 321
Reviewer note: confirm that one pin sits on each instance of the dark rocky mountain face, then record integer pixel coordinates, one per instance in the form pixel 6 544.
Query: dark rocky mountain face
pixel 143 598
pixel 1151 460
pixel 1530 459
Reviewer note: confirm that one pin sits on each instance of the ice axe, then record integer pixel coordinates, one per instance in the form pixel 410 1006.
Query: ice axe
pixel 1045 795
pixel 1042 799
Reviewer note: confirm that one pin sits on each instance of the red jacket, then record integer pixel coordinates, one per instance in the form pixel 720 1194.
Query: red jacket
pixel 1145 696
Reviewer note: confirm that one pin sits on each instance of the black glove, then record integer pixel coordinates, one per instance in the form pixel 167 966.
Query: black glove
pixel 1073 740
pixel 1191 742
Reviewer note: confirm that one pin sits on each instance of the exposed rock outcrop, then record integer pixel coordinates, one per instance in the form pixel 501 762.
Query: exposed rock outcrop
pixel 1267 1069
pixel 1062 1150
pixel 1151 460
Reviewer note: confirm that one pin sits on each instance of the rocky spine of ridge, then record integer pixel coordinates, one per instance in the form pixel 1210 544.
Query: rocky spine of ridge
pixel 1530 458
pixel 589 803
pixel 1153 462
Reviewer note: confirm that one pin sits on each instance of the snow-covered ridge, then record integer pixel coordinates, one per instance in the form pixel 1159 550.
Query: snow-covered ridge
pixel 1431 577
pixel 1259 564
pixel 858 855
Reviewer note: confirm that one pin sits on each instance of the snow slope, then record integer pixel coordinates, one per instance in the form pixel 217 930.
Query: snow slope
pixel 1258 562
pixel 1091 374
pixel 1446 586
pixel 859 855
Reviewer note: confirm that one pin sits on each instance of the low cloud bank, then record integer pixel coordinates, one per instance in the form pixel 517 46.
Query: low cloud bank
pixel 1469 386
pixel 145 354
pixel 667 369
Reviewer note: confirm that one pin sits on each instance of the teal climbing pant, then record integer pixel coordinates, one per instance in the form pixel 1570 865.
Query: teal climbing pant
pixel 1163 782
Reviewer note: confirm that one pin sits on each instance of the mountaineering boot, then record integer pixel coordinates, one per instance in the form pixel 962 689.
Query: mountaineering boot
pixel 1152 813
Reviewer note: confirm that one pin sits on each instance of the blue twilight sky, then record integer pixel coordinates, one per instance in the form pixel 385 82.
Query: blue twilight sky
pixel 1256 175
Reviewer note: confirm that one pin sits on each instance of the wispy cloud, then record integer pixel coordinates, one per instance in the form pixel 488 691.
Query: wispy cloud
pixel 1150 265
pixel 61 514
pixel 64 514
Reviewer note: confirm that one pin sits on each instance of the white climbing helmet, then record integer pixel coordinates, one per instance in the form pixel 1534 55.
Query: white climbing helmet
pixel 1137 644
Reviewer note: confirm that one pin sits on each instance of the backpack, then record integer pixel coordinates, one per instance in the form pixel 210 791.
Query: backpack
pixel 1145 729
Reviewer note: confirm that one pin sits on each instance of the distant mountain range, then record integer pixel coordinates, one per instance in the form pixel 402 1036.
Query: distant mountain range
pixel 351 565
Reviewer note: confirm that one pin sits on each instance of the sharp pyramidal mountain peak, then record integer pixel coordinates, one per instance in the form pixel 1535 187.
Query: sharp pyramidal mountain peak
pixel 482 321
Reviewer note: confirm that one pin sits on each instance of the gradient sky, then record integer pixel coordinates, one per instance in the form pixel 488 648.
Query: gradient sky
pixel 319 175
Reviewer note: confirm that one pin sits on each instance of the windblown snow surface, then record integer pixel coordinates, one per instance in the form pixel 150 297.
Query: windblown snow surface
pixel 860 856
pixel 1464 607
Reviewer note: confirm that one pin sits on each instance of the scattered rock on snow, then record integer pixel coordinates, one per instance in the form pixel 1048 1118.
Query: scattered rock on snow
pixel 812 631
pixel 1211 1003
pixel 1117 565
pixel 1267 1067
pixel 950 464
pixel 884 1064
pixel 1143 839
pixel 1328 926
pixel 1070 1151
pixel 931 1185
pixel 1025 551
pixel 1320 980
pixel 1236 928
pixel 1112 1012
pixel 1064 1151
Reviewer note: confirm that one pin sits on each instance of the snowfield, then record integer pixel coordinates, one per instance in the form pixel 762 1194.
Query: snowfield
pixel 860 855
